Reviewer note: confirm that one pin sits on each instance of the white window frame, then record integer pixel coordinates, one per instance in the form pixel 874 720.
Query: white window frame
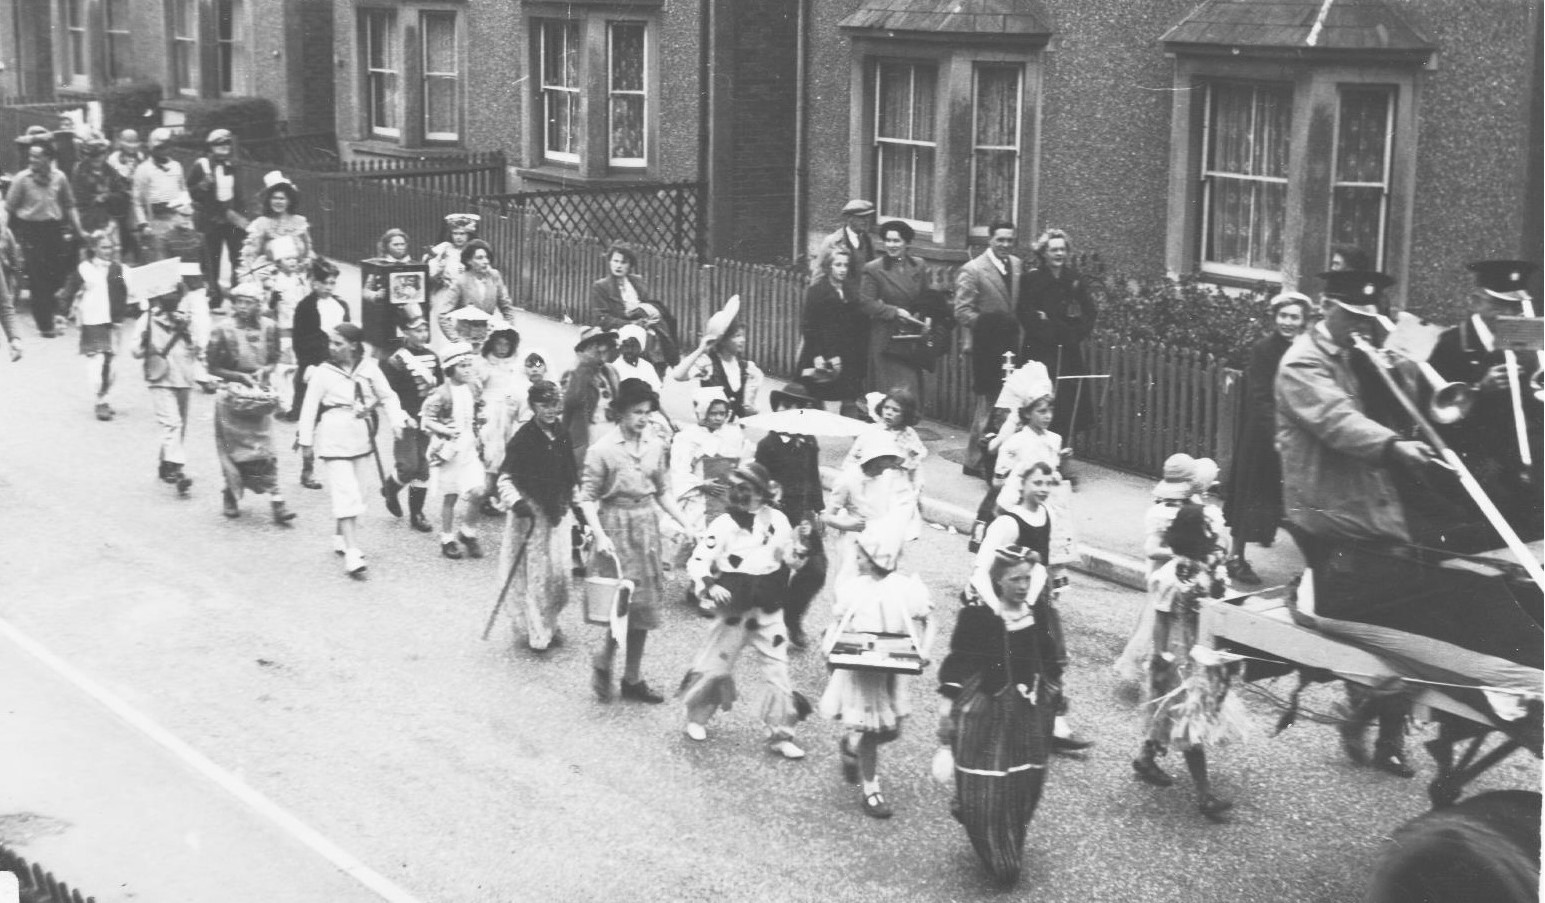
pixel 185 44
pixel 880 144
pixel 1392 96
pixel 73 17
pixel 1235 271
pixel 375 76
pixel 233 52
pixel 453 76
pixel 613 91
pixel 117 32
pixel 1019 132
pixel 572 30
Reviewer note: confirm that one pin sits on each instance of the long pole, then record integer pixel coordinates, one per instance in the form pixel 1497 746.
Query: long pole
pixel 1466 478
pixel 520 557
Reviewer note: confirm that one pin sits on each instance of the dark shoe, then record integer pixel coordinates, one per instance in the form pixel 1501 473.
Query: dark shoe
pixel 640 692
pixel 421 523
pixel 104 411
pixel 601 684
pixel 1070 743
pixel 849 761
pixel 1354 741
pixel 184 483
pixel 389 490
pixel 1392 761
pixel 164 473
pixel 474 549
pixel 1241 572
pixel 875 806
pixel 798 640
pixel 450 549
pixel 229 500
pixel 1149 772
pixel 282 514
pixel 1213 807
pixel 308 478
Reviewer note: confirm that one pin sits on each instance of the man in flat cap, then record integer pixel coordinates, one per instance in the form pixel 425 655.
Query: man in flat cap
pixel 856 237
pixel 217 208
pixel 159 185
pixel 1487 439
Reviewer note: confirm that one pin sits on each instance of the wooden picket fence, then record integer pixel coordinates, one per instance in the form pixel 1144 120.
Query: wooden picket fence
pixel 1158 400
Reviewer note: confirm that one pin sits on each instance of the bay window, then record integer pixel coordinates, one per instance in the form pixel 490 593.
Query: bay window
pixel 594 88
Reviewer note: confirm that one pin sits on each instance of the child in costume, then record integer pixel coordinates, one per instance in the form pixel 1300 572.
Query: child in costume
pixel 871 705
pixel 1189 706
pixel 738 571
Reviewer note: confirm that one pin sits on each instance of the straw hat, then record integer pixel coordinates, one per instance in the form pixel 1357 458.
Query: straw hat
pixel 720 323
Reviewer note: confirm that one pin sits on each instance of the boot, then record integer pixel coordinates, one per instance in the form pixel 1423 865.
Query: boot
pixel 1147 769
pixel 308 472
pixel 282 515
pixel 389 490
pixel 182 481
pixel 416 498
pixel 164 472
pixel 228 499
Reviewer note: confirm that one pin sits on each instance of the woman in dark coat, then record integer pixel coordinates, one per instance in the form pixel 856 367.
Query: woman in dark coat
pixel 620 298
pixel 834 331
pixel 891 294
pixel 995 721
pixel 1057 314
pixel 1253 492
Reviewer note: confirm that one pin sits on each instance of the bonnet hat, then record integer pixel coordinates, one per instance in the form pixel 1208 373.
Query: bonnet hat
pixel 1179 475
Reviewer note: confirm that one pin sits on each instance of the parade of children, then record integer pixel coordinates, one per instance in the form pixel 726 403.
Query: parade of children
pixel 714 542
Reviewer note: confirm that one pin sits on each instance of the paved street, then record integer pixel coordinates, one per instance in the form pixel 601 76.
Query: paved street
pixel 469 771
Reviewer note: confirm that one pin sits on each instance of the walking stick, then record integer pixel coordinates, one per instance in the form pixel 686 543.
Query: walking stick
pixel 375 424
pixel 514 566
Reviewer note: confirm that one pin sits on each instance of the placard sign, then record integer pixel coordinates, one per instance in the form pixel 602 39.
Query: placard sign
pixel 164 277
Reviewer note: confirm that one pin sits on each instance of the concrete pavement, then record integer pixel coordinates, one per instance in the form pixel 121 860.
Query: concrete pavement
pixel 1108 504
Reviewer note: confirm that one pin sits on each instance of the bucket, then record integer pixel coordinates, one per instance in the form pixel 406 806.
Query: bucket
pixel 605 597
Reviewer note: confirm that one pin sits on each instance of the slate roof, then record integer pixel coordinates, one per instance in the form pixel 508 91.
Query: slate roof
pixel 1337 25
pixel 976 17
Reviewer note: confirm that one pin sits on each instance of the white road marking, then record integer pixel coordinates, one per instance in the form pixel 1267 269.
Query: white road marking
pixel 262 805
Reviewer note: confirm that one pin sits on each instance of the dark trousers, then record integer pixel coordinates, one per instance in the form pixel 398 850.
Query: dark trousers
pixel 217 238
pixel 48 260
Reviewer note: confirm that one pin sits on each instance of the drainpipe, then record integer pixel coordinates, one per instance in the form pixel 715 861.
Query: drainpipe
pixel 801 166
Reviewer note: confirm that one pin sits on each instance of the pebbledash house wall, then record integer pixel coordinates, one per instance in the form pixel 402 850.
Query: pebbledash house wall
pixel 1100 165
pixel 288 49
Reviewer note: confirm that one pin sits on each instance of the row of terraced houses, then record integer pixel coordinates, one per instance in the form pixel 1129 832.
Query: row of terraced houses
pixel 1238 139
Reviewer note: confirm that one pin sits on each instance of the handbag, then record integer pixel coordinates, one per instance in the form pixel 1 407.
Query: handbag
pixel 248 402
pixel 923 348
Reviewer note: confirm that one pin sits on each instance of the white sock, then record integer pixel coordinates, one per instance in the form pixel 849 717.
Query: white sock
pixel 872 786
pixel 1060 727
pixel 447 537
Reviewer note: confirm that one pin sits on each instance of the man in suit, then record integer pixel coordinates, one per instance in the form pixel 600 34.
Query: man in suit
pixel 985 289
pixel 856 237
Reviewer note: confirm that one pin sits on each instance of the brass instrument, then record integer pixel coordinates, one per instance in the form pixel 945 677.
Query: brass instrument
pixel 1451 401
pixel 1382 364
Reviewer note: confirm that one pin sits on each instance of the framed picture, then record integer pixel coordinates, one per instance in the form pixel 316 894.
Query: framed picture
pixel 396 283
